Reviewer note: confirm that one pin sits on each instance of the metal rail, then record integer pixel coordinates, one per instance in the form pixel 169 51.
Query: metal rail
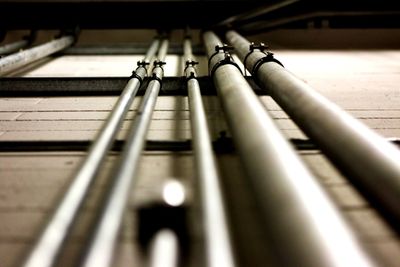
pixel 89 86
pixel 44 252
pixel 124 49
pixel 220 145
pixel 19 59
pixel 299 218
pixel 368 159
pixel 101 247
pixel 218 241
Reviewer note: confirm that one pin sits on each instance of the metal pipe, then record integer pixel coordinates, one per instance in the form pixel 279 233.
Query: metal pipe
pixel 164 249
pixel 367 158
pixel 99 253
pixel 44 252
pixel 218 241
pixel 19 59
pixel 12 47
pixel 187 49
pixel 300 220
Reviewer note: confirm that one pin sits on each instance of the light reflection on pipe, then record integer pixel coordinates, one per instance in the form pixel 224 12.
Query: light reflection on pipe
pixel 174 193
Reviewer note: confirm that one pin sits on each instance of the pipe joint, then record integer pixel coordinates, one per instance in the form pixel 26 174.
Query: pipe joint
pixel 190 69
pixel 141 71
pixel 139 74
pixel 269 57
pixel 159 63
pixel 260 47
pixel 158 71
pixel 190 63
pixel 143 63
pixel 227 58
pixel 224 48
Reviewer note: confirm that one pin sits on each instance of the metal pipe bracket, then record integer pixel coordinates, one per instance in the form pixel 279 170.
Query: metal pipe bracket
pixel 158 71
pixel 190 64
pixel 225 48
pixel 261 47
pixel 141 64
pixel 226 60
pixel 269 57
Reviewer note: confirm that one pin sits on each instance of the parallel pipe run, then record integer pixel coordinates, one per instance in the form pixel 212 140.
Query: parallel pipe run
pixel 366 157
pixel 19 59
pixel 300 220
pixel 100 250
pixel 44 253
pixel 12 47
pixel 218 242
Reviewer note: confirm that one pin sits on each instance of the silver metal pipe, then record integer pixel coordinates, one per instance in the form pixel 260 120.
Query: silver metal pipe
pixel 162 52
pixel 300 220
pixel 12 47
pixel 102 245
pixel 19 59
pixel 218 241
pixel 187 49
pixel 164 249
pixel 368 159
pixel 47 247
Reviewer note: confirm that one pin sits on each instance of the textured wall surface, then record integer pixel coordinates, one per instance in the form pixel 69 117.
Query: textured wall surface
pixel 362 82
